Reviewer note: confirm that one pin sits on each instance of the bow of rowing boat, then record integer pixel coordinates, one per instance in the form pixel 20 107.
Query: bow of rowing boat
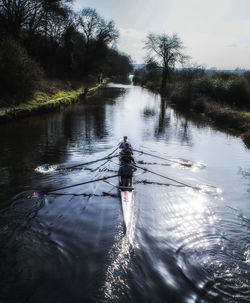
pixel 127 200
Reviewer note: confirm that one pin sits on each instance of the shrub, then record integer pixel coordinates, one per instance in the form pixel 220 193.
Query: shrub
pixel 246 139
pixel 225 76
pixel 202 86
pixel 239 92
pixel 20 75
pixel 140 76
pixel 230 89
pixel 199 105
pixel 179 94
pixel 246 75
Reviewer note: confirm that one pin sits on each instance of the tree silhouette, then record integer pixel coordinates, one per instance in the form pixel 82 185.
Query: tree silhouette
pixel 165 51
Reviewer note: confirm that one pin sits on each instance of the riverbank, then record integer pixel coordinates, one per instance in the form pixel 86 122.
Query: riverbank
pixel 45 101
pixel 224 117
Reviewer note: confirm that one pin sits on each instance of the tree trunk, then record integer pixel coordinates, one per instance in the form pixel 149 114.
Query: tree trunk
pixel 163 89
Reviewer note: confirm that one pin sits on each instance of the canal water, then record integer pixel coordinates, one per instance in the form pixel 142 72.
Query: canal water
pixel 187 243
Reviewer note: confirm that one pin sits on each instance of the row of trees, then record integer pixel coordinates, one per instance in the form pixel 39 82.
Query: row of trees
pixel 47 37
pixel 187 84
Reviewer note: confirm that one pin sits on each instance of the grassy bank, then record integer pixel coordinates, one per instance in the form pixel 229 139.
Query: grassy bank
pixel 46 101
pixel 224 117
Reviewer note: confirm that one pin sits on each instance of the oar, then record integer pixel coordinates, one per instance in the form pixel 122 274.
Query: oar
pixel 181 163
pixel 165 177
pixel 113 151
pixel 37 194
pixel 94 161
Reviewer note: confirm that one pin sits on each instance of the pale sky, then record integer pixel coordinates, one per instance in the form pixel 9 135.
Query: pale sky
pixel 216 33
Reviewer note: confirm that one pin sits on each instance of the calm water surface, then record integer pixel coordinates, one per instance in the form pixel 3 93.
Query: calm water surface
pixel 185 245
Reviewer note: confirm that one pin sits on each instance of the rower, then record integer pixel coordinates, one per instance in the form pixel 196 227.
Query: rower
pixel 126 149
pixel 127 157
pixel 124 142
pixel 126 173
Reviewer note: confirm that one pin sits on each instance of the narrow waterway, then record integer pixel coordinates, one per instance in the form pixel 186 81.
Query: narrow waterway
pixel 186 244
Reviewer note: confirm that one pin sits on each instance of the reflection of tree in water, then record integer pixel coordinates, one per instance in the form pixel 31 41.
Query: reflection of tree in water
pixel 245 173
pixel 163 121
pixel 95 113
pixel 89 122
pixel 180 128
pixel 26 144
pixel 183 131
pixel 31 142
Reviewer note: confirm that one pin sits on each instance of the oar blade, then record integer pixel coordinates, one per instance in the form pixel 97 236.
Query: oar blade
pixel 37 194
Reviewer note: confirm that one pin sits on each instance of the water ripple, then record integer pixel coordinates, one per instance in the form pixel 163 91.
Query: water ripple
pixel 46 169
pixel 220 262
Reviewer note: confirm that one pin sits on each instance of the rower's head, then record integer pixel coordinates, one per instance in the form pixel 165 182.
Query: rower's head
pixel 125 138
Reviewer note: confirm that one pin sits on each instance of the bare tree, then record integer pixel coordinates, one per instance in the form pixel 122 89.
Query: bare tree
pixel 17 14
pixel 166 51
pixel 98 35
pixel 31 15
pixel 94 27
pixel 54 13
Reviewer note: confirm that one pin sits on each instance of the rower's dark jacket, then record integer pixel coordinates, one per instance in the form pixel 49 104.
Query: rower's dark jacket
pixel 127 158
pixel 123 144
pixel 126 171
pixel 126 148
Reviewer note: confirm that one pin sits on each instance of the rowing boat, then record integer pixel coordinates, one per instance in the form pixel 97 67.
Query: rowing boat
pixel 127 203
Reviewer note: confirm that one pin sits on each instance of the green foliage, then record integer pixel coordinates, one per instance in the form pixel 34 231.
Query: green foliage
pixel 246 75
pixel 148 76
pixel 187 75
pixel 239 92
pixel 19 74
pixel 202 86
pixel 229 89
pixel 225 76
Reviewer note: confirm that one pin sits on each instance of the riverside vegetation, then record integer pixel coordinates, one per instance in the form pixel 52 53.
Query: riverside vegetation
pixel 222 98
pixel 50 53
